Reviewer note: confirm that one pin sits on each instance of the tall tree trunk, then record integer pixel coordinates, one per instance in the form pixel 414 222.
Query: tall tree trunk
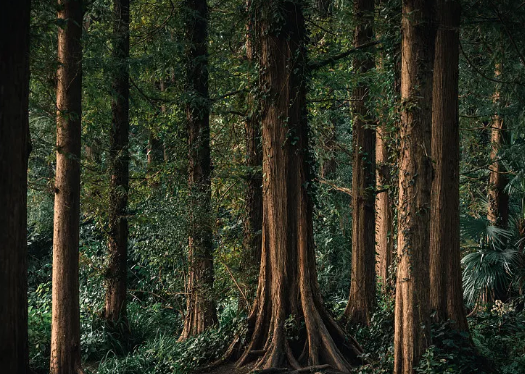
pixel 14 150
pixel 412 335
pixel 116 273
pixel 363 283
pixel 446 293
pixel 498 199
pixel 288 298
pixel 253 222
pixel 65 325
pixel 383 204
pixel 200 313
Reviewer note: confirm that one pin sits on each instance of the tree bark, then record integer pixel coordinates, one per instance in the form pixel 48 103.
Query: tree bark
pixel 253 221
pixel 363 282
pixel 65 325
pixel 14 151
pixel 498 199
pixel 200 313
pixel 446 292
pixel 383 204
pixel 412 335
pixel 116 273
pixel 288 302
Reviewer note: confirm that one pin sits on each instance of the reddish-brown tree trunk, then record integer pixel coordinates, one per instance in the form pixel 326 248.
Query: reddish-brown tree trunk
pixel 116 273
pixel 65 325
pixel 446 293
pixel 14 150
pixel 498 199
pixel 200 313
pixel 363 282
pixel 288 298
pixel 253 221
pixel 384 212
pixel 412 310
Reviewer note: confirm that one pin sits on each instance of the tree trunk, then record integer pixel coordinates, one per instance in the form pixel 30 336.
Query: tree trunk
pixel 412 335
pixel 363 283
pixel 253 221
pixel 288 322
pixel 446 293
pixel 65 325
pixel 498 199
pixel 116 273
pixel 384 227
pixel 200 313
pixel 14 151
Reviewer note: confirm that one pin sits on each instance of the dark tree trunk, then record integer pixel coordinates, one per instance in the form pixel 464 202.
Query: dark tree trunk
pixel 14 150
pixel 253 221
pixel 65 325
pixel 446 293
pixel 412 311
pixel 116 273
pixel 200 313
pixel 498 199
pixel 288 295
pixel 363 283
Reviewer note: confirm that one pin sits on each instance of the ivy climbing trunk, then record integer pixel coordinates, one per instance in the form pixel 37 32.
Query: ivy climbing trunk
pixel 363 282
pixel 288 325
pixel 65 323
pixel 384 238
pixel 412 310
pixel 446 293
pixel 14 151
pixel 200 312
pixel 116 273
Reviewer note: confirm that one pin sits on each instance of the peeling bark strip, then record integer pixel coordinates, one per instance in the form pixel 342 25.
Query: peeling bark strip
pixel 363 283
pixel 14 149
pixel 200 313
pixel 65 325
pixel 446 293
pixel 116 273
pixel 288 302
pixel 412 334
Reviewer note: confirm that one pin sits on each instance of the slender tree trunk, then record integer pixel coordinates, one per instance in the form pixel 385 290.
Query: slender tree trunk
pixel 384 197
pixel 253 222
pixel 116 273
pixel 498 199
pixel 384 212
pixel 200 313
pixel 363 283
pixel 288 297
pixel 446 293
pixel 65 325
pixel 14 151
pixel 412 311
